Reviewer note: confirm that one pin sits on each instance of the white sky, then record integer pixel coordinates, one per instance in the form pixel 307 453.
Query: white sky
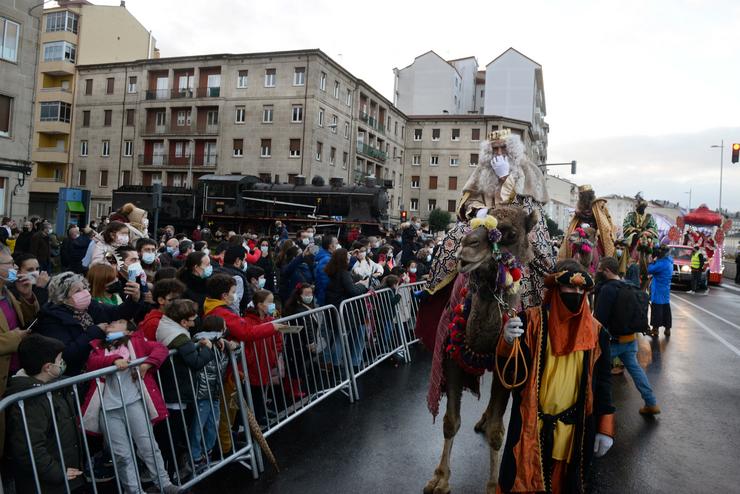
pixel 636 90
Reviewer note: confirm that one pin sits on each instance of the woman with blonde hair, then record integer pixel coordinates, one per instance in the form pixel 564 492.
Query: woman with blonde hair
pixel 104 287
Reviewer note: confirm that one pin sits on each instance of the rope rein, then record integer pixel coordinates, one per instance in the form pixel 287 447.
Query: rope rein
pixel 515 355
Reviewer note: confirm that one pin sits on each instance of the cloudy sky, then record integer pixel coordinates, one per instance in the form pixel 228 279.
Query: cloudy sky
pixel 637 91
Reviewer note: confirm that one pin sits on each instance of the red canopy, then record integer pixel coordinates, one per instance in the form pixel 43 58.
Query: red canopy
pixel 703 216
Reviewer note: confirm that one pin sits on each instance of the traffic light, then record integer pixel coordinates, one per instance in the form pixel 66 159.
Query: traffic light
pixel 573 167
pixel 404 215
pixel 736 152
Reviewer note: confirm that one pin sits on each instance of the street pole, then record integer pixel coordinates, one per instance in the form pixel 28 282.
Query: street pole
pixel 721 168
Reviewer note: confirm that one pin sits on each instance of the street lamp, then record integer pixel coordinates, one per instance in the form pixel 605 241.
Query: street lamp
pixel 689 193
pixel 721 147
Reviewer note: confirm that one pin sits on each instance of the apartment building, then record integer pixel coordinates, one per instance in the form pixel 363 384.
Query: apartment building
pixel 563 200
pixel 441 153
pixel 278 115
pixel 73 33
pixel 19 35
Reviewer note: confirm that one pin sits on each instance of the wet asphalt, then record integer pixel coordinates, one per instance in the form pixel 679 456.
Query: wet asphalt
pixel 387 442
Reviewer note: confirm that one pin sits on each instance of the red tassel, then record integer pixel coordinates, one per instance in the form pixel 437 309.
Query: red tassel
pixel 516 274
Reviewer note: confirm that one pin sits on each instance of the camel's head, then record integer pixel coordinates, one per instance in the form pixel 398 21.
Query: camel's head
pixel 475 250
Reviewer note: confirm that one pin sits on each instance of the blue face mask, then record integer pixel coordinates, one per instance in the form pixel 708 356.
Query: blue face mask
pixel 12 275
pixel 115 336
pixel 171 250
pixel 271 308
pixel 208 272
pixel 148 257
pixel 261 283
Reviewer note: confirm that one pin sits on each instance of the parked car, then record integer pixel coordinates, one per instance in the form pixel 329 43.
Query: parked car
pixel 681 255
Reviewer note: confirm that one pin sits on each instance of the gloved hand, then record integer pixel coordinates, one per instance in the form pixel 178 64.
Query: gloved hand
pixel 514 328
pixel 602 444
pixel 481 213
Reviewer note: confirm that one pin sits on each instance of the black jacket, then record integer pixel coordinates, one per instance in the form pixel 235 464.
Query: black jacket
pixel 340 288
pixel 180 373
pixel 77 252
pixel 196 288
pixel 58 321
pixel 43 438
pixel 23 244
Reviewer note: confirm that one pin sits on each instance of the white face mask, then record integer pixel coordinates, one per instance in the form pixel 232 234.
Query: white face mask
pixel 122 239
pixel 500 165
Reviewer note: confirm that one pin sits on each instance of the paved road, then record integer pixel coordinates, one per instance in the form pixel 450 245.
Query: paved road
pixel 387 443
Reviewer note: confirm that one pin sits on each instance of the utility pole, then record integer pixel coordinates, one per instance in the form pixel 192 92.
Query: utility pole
pixel 721 166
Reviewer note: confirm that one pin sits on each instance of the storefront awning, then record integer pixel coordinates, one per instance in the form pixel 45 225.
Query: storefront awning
pixel 75 207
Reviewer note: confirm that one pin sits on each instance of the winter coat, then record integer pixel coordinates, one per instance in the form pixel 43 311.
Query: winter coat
pixel 209 379
pixel 148 327
pixel 246 294
pixel 296 271
pixel 662 272
pixel 40 247
pixel 58 321
pixel 341 287
pixel 179 374
pixel 322 279
pixel 77 252
pixel 271 273
pixel 100 251
pixel 195 288
pixel 138 347
pixel 43 438
pixel 23 244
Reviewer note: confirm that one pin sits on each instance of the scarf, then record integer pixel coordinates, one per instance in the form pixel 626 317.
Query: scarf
pixel 569 332
pixel 83 317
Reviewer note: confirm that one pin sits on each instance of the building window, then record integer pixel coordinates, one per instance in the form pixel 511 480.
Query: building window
pixel 345 159
pixel 131 84
pixel 414 181
pixel 414 204
pixel 334 124
pixel 56 51
pixel 241 115
pixel 417 134
pixel 473 159
pixel 395 128
pixel 6 107
pixel 9 37
pixel 56 111
pixel 348 101
pixel 241 79
pixel 322 81
pixel 61 21
pixel 403 131
pixel 321 117
pixel 299 76
pixel 475 134
pixel 319 150
pixel 455 134
pixel 82 178
pixel 432 182
pixel 435 134
pixel 434 160
pixel 130 117
pixel 107 117
pixel 106 149
pixel 270 77
pixel 103 178
pixel 86 118
pixel 126 177
pixel 452 183
pixel 110 85
pixel 238 148
pixel 265 178
pixel 266 148
pixel 83 148
pixel 346 130
pixel 416 159
pixel 333 156
pixel 128 148
pixel 336 89
pixel 295 148
pixel 267 114
pixel 297 113
pixel 88 87
pixel 454 161
pixel 451 205
pixel 432 205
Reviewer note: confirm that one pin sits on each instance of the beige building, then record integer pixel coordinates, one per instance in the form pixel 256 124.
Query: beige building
pixel 277 115
pixel 563 199
pixel 441 153
pixel 19 35
pixel 74 33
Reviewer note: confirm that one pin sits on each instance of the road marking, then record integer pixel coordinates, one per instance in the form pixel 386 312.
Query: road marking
pixel 732 348
pixel 726 286
pixel 710 313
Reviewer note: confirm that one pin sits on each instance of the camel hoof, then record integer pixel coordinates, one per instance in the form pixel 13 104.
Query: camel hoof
pixel 481 425
pixel 437 486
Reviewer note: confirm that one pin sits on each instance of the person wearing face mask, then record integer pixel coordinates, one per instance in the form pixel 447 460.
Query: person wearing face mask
pixel 104 284
pixel 168 253
pixel 566 396
pixel 255 281
pixel 23 243
pixel 412 271
pixel 115 235
pixel 30 284
pixel 298 270
pixel 235 266
pixel 41 246
pixel 41 363
pixel 147 250
pixel 267 263
pixel 641 236
pixel 72 317
pixel 135 218
pixel 365 268
pixel 194 274
pixel 66 249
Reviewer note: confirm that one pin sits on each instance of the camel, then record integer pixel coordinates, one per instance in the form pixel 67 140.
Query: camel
pixel 478 257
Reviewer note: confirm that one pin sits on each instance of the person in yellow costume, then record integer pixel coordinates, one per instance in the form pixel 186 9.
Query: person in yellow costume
pixel 562 414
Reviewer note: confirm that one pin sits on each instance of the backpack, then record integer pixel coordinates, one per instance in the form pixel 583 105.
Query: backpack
pixel 630 311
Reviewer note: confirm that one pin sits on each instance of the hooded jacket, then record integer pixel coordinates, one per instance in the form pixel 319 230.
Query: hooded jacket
pixel 210 377
pixel 148 327
pixel 196 288
pixel 298 270
pixel 322 279
pixel 43 438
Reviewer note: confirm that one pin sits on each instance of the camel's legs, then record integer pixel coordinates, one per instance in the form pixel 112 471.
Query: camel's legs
pixel 440 482
pixel 495 430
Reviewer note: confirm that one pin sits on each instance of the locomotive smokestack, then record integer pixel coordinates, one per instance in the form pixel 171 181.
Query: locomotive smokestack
pixel 299 180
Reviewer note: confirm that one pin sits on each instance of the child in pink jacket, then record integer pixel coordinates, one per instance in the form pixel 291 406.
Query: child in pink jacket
pixel 128 405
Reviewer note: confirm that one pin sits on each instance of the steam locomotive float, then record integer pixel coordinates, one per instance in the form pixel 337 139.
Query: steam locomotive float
pixel 243 202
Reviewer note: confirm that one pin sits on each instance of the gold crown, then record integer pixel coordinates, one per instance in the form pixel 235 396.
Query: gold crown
pixel 499 135
pixel 584 188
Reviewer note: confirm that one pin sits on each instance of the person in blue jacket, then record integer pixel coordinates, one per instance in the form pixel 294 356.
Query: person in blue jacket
pixel 661 269
pixel 329 244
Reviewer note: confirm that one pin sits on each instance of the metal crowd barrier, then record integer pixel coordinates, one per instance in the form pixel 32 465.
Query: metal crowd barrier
pixel 409 308
pixel 163 451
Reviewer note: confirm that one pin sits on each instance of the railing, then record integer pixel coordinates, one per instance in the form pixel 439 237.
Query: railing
pixel 174 129
pixel 163 160
pixel 372 122
pixel 209 92
pixel 154 94
pixel 205 160
pixel 51 89
pixel 371 152
pixel 183 93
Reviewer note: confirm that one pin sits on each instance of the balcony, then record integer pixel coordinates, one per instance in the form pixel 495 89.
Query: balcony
pixel 206 160
pixel 160 160
pixel 49 155
pixel 47 185
pixel 372 122
pixel 371 152
pixel 179 130
pixel 53 127
pixel 57 67
pixel 55 94
pixel 209 92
